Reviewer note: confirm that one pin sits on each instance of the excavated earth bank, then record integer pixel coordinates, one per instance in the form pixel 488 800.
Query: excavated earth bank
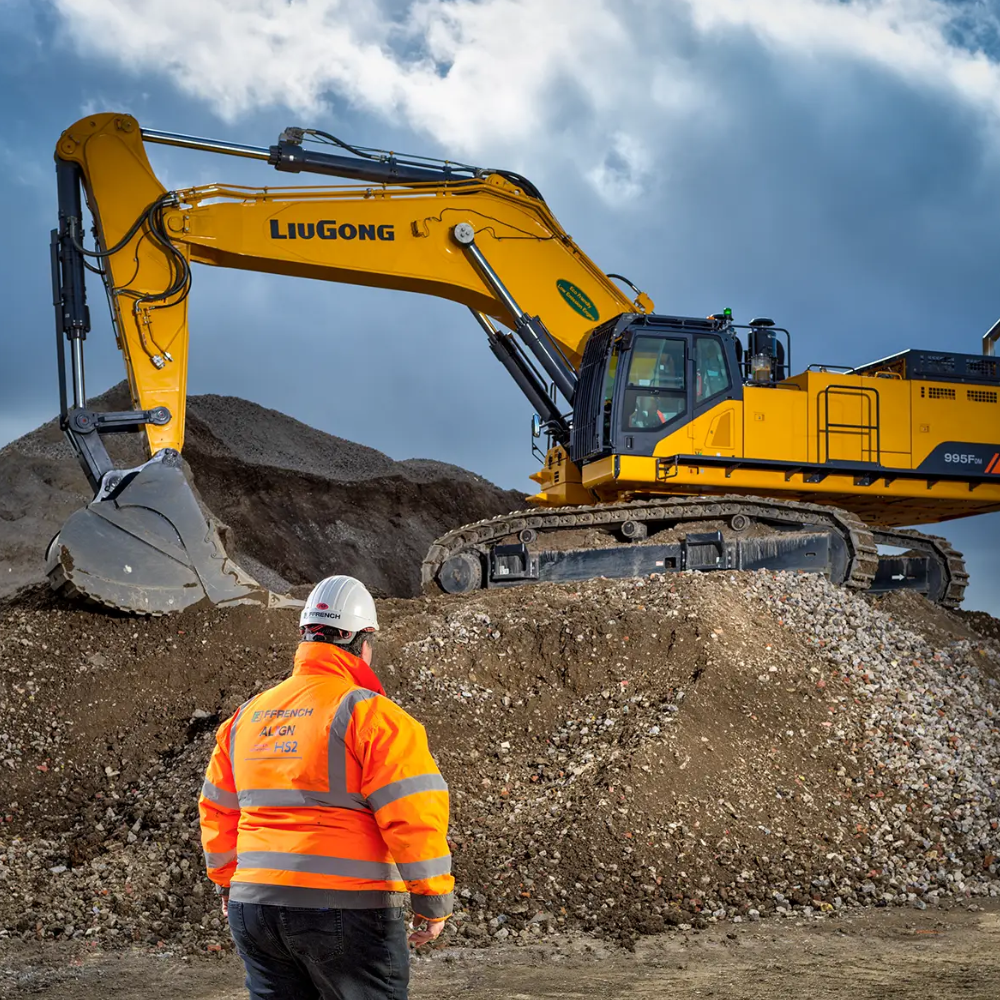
pixel 623 755
pixel 301 503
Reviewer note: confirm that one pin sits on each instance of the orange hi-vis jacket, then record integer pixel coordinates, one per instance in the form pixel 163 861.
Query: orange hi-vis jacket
pixel 321 792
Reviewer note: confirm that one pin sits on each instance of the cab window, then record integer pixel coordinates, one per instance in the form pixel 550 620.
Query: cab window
pixel 711 374
pixel 656 393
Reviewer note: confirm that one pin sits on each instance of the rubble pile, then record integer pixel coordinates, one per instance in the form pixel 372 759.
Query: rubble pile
pixel 623 755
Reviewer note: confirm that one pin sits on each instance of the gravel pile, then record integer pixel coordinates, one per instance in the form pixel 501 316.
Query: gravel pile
pixel 624 756
pixel 300 503
pixel 228 427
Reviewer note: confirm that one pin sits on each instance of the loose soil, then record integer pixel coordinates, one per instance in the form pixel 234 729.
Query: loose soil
pixel 624 756
pixel 750 782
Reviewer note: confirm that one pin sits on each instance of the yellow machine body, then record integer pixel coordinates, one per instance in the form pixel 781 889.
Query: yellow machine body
pixel 820 417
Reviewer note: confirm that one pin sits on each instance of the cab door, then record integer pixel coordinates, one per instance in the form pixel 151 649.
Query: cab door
pixel 654 397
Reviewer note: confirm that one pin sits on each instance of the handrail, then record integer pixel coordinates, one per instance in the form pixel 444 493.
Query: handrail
pixel 990 339
pixel 860 428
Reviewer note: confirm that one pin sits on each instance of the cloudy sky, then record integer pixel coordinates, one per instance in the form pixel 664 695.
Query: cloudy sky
pixel 834 164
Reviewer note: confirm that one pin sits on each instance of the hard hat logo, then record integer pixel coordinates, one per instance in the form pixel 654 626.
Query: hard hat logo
pixel 340 599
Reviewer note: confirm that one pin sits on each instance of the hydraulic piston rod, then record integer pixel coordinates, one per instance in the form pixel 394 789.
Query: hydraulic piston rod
pixel 208 145
pixel 990 339
pixel 529 328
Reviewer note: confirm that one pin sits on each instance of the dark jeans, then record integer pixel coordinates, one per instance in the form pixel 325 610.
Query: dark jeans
pixel 306 954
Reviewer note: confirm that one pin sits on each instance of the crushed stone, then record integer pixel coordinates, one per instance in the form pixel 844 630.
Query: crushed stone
pixel 624 756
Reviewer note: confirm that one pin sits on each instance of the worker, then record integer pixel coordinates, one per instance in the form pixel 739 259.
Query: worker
pixel 321 808
pixel 646 414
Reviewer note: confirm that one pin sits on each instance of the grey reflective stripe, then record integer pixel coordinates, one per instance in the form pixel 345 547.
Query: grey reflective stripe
pixel 337 751
pixel 283 797
pixel 434 907
pixel 411 870
pixel 318 864
pixel 228 800
pixel 232 733
pixel 326 899
pixel 216 859
pixel 406 786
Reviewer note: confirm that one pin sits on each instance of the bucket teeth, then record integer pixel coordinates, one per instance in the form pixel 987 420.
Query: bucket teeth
pixel 148 549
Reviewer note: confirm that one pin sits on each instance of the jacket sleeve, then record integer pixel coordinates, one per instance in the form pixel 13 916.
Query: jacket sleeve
pixel 409 797
pixel 219 810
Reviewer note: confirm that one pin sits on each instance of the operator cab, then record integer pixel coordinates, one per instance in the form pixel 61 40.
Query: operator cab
pixel 646 376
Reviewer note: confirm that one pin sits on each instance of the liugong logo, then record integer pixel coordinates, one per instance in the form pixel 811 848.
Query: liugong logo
pixel 327 229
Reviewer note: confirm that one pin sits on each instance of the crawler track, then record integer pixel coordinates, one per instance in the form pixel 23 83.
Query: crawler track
pixel 954 577
pixel 480 536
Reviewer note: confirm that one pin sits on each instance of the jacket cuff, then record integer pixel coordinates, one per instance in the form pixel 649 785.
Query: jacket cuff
pixel 432 907
pixel 222 890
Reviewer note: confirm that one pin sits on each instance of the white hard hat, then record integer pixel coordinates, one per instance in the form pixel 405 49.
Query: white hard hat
pixel 341 602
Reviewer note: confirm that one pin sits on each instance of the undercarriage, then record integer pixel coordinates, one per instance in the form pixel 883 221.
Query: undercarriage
pixel 640 537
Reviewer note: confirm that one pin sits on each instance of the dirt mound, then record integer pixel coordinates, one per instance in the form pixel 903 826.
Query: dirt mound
pixel 981 623
pixel 301 503
pixel 623 755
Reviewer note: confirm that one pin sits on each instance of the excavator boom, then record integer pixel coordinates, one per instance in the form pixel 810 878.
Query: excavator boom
pixel 400 234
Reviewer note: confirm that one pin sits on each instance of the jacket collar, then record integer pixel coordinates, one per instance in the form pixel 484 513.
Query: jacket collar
pixel 323 658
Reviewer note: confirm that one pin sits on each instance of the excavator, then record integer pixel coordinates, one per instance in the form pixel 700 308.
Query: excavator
pixel 673 442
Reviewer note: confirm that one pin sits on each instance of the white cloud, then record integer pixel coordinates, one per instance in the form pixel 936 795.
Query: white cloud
pixel 566 78
pixel 913 39
pixel 459 70
pixel 623 173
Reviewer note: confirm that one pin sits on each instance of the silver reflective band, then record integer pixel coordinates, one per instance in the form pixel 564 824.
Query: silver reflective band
pixel 411 870
pixel 232 734
pixel 228 800
pixel 318 864
pixel 216 859
pixel 404 787
pixel 327 899
pixel 282 797
pixel 337 750
pixel 434 907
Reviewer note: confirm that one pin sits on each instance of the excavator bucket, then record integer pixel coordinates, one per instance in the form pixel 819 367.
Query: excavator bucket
pixel 147 548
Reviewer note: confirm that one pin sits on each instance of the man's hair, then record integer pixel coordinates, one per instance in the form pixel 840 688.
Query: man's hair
pixel 336 637
pixel 360 638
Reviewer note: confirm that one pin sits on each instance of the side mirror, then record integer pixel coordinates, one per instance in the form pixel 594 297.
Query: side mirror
pixel 536 426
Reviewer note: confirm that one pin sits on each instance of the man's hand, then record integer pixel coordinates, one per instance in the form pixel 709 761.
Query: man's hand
pixel 225 904
pixel 425 930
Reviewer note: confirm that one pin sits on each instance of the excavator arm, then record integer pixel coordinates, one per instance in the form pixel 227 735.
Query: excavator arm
pixel 488 241
pixel 482 238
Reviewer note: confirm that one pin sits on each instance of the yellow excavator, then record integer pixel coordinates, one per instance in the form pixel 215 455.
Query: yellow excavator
pixel 673 442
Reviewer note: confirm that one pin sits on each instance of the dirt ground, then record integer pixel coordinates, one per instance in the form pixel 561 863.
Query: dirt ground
pixel 887 953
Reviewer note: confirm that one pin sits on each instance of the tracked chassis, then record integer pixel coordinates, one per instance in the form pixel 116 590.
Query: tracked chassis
pixel 518 548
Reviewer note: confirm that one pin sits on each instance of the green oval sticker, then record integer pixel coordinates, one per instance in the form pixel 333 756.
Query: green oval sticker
pixel 578 300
